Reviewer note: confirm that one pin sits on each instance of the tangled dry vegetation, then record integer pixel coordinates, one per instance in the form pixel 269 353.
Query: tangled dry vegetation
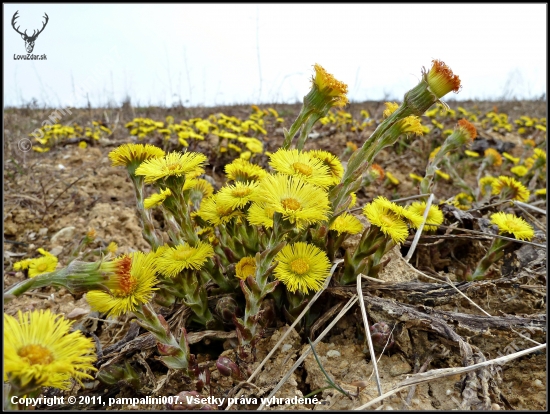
pixel 434 322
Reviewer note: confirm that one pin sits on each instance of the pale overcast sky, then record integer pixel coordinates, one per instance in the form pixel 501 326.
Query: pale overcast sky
pixel 214 54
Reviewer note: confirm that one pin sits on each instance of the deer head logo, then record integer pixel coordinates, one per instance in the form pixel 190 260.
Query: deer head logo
pixel 29 40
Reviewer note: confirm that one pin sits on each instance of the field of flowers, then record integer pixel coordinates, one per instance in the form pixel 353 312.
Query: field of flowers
pixel 329 252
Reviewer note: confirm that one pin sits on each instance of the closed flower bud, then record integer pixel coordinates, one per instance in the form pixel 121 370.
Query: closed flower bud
pixel 228 368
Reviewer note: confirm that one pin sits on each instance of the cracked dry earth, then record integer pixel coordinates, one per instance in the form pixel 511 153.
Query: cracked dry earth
pixel 55 198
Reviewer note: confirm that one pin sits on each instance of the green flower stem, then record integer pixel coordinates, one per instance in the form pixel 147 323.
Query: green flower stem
pixel 176 354
pixel 458 179
pixel 495 253
pixel 258 287
pixel 77 277
pixel 306 129
pixel 295 127
pixel 174 230
pixel 149 232
pixel 180 211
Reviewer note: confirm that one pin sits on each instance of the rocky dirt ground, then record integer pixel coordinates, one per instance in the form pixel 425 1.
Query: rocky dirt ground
pixel 52 200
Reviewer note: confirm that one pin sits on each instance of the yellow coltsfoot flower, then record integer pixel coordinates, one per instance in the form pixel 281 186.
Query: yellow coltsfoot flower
pixel 301 164
pixel 302 267
pixel 157 198
pixel 238 195
pixel 131 285
pixel 242 170
pixel 435 215
pixel 217 211
pixel 40 351
pixel 511 225
pixel 332 162
pixel 173 164
pixel 442 80
pixel 331 91
pixel 134 154
pixel 346 223
pixel 246 267
pixel 511 189
pixel 175 259
pixel 299 202
pixel 387 216
pixel 493 157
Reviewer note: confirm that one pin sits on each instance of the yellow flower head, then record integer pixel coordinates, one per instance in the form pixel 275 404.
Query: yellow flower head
pixel 510 188
pixel 301 164
pixel 45 264
pixel 246 267
pixel 512 159
pixel 217 211
pixel 539 154
pixel 200 186
pixel 39 351
pixel 441 79
pixel 298 201
pixel 391 107
pixel 260 215
pixel 391 178
pixel 173 164
pixel 493 157
pixel 175 259
pixel 302 267
pixel 529 143
pixel 472 154
pixel 541 191
pixel 468 129
pixel 513 226
pixel 346 223
pixel 131 285
pixel 157 198
pixel 519 170
pixel 487 185
pixel 332 162
pixel 385 215
pixel 242 170
pixel 332 90
pixel 376 171
pixel 410 125
pixel 238 195
pixel 415 177
pixel 112 247
pixel 434 219
pixel 443 175
pixel 134 154
pixel 463 201
pixel 351 146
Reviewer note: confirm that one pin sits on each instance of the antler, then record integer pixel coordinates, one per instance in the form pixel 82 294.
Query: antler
pixel 15 16
pixel 44 24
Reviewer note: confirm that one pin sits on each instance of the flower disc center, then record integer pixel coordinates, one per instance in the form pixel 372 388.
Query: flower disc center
pixel 36 354
pixel 299 266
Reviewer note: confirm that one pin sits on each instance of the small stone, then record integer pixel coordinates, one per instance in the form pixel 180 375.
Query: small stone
pixel 56 250
pixel 333 353
pixel 286 347
pixel 43 231
pixel 66 233
pixel 495 406
pixel 538 383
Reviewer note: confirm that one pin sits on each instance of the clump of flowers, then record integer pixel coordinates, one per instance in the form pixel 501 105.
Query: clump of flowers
pixel 265 240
